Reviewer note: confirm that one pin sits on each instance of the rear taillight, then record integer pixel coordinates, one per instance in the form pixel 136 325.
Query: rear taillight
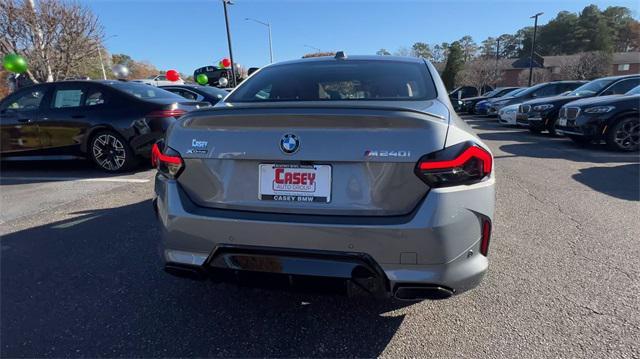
pixel 464 163
pixel 176 112
pixel 166 160
pixel 486 236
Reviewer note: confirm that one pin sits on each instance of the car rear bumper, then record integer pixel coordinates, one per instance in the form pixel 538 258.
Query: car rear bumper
pixel 436 246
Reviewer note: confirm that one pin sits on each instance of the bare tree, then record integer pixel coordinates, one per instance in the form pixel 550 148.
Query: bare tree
pixel 479 73
pixel 402 51
pixel 539 76
pixel 587 66
pixel 57 38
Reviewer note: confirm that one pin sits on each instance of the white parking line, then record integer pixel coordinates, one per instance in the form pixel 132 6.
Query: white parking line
pixel 73 223
pixel 76 179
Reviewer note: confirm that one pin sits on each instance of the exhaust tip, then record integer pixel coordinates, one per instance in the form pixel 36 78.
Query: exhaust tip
pixel 413 293
pixel 183 272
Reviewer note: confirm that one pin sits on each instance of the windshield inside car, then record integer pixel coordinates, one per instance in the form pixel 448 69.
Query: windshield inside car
pixel 143 91
pixel 218 93
pixel 634 91
pixel 513 92
pixel 590 88
pixel 492 93
pixel 529 90
pixel 338 81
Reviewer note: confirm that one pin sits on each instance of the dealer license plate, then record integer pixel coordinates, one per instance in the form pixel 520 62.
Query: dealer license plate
pixel 294 183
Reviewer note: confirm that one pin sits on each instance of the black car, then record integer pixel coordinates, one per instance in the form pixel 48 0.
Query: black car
pixel 198 93
pixel 111 122
pixel 614 119
pixel 461 92
pixel 469 103
pixel 546 89
pixel 542 114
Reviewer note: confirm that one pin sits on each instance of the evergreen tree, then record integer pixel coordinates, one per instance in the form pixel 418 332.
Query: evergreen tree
pixel 421 50
pixel 455 63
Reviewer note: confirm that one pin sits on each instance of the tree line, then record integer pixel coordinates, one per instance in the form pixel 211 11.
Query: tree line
pixel 610 30
pixel 590 31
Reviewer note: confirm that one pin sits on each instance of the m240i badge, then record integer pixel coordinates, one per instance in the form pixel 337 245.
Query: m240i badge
pixel 387 153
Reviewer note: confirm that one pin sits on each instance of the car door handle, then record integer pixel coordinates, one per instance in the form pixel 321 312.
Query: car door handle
pixel 78 116
pixel 24 120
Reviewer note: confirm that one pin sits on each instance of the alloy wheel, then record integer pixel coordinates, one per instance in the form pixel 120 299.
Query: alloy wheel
pixel 627 134
pixel 109 152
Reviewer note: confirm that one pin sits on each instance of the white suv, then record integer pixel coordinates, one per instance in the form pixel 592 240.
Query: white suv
pixel 159 80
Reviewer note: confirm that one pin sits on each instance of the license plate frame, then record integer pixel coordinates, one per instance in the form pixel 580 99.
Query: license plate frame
pixel 295 183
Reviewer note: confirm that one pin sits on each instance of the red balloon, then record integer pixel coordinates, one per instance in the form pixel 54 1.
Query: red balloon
pixel 226 62
pixel 173 75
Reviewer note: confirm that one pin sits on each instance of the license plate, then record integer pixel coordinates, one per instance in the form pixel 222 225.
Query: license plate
pixel 563 122
pixel 294 183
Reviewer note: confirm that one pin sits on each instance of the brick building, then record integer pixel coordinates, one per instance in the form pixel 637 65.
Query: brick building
pixel 623 63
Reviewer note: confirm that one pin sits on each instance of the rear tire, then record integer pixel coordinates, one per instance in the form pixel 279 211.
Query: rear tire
pixel 111 152
pixel 551 127
pixel 624 135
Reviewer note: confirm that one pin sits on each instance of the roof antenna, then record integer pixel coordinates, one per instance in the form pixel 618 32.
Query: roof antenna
pixel 340 55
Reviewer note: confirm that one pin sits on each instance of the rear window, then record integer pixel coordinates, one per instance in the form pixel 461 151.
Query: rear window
pixel 349 80
pixel 144 91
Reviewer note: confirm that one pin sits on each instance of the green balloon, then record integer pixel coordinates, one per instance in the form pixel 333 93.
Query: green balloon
pixel 202 79
pixel 14 63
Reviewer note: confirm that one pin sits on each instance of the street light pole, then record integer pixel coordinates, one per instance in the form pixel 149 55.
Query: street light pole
pixel 497 58
pixel 226 20
pixel 104 73
pixel 268 25
pixel 533 45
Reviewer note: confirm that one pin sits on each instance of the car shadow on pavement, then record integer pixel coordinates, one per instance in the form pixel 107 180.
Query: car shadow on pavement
pixel 93 286
pixel 485 123
pixel 566 149
pixel 620 181
pixel 19 172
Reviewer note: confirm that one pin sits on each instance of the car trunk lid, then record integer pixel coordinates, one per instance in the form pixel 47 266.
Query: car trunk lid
pixel 357 161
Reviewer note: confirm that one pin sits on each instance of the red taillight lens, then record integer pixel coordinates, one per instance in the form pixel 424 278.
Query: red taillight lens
pixel 166 113
pixel 166 160
pixel 486 236
pixel 465 163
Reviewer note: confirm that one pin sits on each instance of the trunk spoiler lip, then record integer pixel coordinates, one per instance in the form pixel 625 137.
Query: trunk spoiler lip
pixel 315 105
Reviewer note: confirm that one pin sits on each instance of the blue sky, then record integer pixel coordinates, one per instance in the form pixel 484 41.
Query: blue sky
pixel 184 35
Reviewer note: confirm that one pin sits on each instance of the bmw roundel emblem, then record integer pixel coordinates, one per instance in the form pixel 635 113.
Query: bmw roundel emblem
pixel 289 143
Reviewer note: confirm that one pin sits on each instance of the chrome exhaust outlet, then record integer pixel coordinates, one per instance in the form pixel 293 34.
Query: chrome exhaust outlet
pixel 413 293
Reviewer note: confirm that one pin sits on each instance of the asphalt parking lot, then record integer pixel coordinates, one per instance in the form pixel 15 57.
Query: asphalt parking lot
pixel 80 275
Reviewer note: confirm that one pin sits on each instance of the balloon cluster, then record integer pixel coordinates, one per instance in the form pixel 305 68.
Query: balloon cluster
pixel 224 63
pixel 202 79
pixel 14 63
pixel 172 75
pixel 120 71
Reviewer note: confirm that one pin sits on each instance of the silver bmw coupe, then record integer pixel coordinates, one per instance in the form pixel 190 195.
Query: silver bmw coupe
pixel 348 170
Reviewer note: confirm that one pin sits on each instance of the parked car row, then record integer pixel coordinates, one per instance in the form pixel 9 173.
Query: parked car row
pixel 112 123
pixel 604 109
